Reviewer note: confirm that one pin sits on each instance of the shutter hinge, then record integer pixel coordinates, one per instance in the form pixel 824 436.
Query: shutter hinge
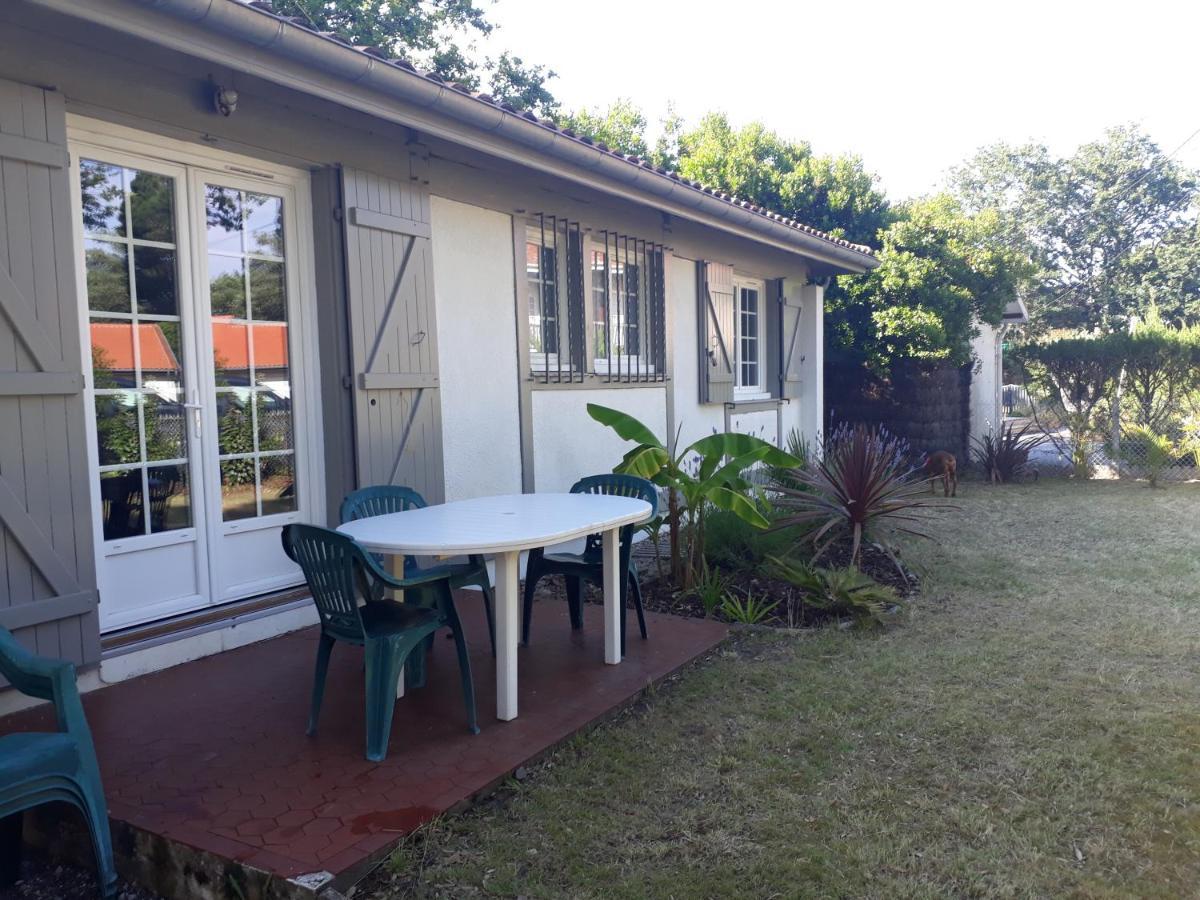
pixel 337 214
pixel 347 382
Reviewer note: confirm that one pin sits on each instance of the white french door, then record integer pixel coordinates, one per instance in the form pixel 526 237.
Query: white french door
pixel 194 313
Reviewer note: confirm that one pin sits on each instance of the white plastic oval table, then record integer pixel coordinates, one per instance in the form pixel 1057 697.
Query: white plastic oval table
pixel 504 526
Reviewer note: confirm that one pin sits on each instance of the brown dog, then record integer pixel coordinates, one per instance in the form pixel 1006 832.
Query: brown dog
pixel 942 465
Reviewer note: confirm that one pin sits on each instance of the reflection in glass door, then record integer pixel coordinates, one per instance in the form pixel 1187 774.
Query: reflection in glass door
pixel 246 283
pixel 145 467
pixel 189 298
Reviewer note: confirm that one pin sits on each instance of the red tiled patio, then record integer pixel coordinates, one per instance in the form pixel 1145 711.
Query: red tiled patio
pixel 207 768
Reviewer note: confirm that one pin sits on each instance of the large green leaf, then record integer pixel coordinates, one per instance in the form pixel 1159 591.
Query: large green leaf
pixel 733 444
pixel 738 504
pixel 645 462
pixel 625 425
pixel 729 475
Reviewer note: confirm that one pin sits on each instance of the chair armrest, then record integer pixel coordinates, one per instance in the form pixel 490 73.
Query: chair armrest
pixel 389 580
pixel 34 676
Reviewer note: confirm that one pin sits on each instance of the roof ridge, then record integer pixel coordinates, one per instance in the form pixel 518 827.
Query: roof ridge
pixel 266 7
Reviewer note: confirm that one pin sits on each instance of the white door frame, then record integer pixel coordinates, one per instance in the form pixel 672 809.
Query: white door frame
pixel 193 164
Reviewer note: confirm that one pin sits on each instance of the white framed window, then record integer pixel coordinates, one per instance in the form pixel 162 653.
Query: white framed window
pixel 750 341
pixel 596 304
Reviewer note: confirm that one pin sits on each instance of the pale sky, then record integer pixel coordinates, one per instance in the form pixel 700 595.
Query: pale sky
pixel 912 87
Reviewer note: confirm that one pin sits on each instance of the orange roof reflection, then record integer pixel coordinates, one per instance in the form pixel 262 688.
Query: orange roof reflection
pixel 112 340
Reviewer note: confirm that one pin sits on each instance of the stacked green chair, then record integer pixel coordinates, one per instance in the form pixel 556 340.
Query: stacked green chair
pixel 382 499
pixel 340 574
pixel 589 565
pixel 37 768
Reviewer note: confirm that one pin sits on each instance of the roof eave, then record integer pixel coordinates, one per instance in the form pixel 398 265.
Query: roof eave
pixel 362 69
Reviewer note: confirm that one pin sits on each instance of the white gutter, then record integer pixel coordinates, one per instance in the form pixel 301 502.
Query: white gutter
pixel 269 33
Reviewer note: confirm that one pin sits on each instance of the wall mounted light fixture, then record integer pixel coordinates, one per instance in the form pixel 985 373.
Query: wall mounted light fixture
pixel 225 100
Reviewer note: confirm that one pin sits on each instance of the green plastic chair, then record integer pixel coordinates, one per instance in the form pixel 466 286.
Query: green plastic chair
pixel 340 573
pixel 589 565
pixel 37 768
pixel 382 499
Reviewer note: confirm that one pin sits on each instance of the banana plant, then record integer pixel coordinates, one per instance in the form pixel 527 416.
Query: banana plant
pixel 707 472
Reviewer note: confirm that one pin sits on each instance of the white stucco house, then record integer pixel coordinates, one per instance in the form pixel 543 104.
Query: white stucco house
pixel 987 375
pixel 246 268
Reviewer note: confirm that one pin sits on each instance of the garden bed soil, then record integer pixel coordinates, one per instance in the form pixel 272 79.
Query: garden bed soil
pixel 660 595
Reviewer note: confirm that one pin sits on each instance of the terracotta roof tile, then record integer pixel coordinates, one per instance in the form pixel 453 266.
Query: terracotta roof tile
pixel 265 7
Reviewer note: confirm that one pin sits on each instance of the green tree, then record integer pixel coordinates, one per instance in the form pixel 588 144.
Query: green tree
pixel 942 271
pixel 1078 377
pixel 1092 220
pixel 832 193
pixel 523 85
pixel 435 34
pixel 1162 370
pixel 622 126
pixel 1165 276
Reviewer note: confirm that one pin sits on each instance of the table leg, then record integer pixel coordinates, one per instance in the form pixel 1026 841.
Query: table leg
pixel 507 628
pixel 396 570
pixel 612 596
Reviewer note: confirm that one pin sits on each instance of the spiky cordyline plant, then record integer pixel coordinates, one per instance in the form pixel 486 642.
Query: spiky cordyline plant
pixel 1005 456
pixel 861 487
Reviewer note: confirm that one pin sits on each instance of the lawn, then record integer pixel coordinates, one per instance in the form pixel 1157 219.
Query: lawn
pixel 1032 728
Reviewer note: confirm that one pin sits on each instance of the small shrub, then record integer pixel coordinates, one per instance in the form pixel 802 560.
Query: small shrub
pixel 1145 448
pixel 748 610
pixel 733 543
pixel 862 487
pixel 846 593
pixel 711 588
pixel 785 476
pixel 1004 457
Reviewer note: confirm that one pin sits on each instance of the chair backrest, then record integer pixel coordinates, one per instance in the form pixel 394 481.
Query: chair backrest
pixel 614 485
pixel 379 500
pixel 335 568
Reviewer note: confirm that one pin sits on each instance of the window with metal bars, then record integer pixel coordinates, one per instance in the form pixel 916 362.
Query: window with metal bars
pixel 605 322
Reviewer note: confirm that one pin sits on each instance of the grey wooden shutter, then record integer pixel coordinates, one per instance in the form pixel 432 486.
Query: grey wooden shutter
pixel 715 316
pixel 791 312
pixel 393 332
pixel 786 360
pixel 47 594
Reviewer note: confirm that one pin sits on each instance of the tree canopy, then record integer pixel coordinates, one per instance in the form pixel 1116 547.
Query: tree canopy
pixel 942 271
pixel 833 193
pixel 1101 223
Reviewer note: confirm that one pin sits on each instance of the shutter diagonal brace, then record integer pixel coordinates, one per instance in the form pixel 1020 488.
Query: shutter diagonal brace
pixel 29 330
pixel 716 321
pixel 34 542
pixel 412 417
pixel 391 305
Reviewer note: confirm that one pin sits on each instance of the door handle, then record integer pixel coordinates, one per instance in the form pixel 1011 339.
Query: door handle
pixel 195 408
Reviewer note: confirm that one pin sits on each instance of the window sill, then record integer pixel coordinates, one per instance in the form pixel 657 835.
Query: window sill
pixel 590 381
pixel 748 396
pixel 758 403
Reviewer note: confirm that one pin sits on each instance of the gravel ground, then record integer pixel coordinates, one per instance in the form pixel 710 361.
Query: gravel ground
pixel 43 880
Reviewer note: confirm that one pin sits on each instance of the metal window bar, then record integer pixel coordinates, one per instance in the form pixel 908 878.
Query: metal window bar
pixel 633 294
pixel 659 304
pixel 576 313
pixel 542 278
pixel 557 322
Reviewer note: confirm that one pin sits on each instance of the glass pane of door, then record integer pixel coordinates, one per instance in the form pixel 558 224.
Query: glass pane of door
pixel 247 288
pixel 134 325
